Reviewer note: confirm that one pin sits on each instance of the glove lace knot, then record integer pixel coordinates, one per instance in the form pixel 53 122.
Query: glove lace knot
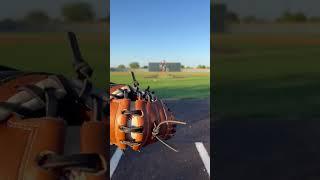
pixel 156 130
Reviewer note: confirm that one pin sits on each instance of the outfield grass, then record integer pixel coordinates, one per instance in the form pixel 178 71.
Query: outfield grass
pixel 50 52
pixel 178 85
pixel 267 75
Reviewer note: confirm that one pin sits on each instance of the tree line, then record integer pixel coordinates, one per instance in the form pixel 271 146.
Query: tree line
pixel 285 17
pixel 70 12
pixel 136 65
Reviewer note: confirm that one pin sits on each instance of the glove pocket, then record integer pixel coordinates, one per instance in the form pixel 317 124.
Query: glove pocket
pixel 118 119
pixel 138 123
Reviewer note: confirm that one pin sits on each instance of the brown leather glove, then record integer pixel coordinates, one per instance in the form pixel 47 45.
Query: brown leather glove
pixel 138 118
pixel 35 109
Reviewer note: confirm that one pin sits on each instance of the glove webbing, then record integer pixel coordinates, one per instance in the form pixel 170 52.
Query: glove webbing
pixel 38 98
pixel 46 103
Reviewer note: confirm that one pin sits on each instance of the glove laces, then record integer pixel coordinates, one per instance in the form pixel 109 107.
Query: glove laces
pixel 156 129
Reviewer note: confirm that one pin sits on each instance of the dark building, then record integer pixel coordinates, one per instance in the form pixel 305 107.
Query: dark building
pixel 170 67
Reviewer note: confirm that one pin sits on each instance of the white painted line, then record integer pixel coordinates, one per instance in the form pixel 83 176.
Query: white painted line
pixel 114 161
pixel 204 156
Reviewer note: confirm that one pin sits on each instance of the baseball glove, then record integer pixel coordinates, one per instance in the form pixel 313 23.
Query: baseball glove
pixel 35 109
pixel 138 118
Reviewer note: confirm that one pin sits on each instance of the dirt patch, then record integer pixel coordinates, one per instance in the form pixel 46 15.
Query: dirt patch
pixel 155 76
pixel 176 76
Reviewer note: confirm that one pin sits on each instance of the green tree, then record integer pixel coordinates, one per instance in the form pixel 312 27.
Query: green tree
pixel 288 16
pixel 37 17
pixel 134 65
pixel 121 66
pixel 78 12
pixel 300 17
pixel 201 66
pixel 249 19
pixel 232 17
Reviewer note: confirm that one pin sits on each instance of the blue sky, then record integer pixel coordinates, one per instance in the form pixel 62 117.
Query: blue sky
pixel 153 30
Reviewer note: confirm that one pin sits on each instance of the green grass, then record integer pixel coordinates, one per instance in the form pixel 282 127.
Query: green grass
pixel 50 52
pixel 271 75
pixel 179 85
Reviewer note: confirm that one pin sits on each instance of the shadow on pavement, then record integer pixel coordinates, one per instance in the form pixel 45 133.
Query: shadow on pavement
pixel 267 149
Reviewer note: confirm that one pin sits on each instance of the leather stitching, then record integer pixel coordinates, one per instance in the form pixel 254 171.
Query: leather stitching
pixel 31 137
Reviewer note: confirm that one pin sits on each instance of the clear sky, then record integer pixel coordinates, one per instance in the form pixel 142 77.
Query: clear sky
pixel 153 30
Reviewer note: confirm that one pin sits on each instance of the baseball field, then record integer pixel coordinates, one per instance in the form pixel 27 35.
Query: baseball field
pixel 50 52
pixel 267 75
pixel 254 75
pixel 170 85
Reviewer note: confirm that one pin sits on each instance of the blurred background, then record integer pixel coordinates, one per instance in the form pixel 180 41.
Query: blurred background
pixel 265 56
pixel 33 35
